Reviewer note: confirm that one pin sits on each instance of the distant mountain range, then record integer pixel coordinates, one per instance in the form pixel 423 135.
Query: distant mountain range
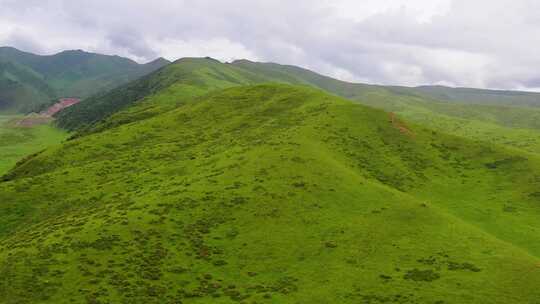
pixel 28 80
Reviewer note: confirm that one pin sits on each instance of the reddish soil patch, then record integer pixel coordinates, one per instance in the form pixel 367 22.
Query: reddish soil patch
pixel 45 116
pixel 398 124
pixel 60 105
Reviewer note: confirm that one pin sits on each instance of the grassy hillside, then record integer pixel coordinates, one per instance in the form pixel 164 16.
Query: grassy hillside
pixel 293 74
pixel 188 78
pixel 158 92
pixel 21 88
pixel 479 96
pixel 502 117
pixel 27 79
pixel 510 126
pixel 271 194
pixel 18 142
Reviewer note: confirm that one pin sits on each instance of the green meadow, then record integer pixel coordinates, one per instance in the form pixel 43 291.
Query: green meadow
pixel 18 142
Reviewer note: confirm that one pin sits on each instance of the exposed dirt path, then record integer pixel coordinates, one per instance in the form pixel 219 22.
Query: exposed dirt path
pixel 398 124
pixel 60 105
pixel 45 116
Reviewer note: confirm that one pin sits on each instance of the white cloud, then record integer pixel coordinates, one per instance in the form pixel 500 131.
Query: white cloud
pixel 420 10
pixel 467 43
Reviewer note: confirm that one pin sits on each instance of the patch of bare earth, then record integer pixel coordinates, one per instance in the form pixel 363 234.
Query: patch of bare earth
pixel 60 105
pixel 46 116
pixel 401 126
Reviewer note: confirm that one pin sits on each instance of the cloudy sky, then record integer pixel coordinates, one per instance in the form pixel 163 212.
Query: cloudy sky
pixel 477 43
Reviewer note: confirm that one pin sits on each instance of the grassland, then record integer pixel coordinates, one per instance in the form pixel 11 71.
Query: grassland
pixel 270 194
pixel 514 126
pixel 18 142
pixel 502 117
pixel 492 120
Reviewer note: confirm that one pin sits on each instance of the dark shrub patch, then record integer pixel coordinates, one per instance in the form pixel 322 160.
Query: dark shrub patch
pixel 463 266
pixel 330 244
pixel 421 275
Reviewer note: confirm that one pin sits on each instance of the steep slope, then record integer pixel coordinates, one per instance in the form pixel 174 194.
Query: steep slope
pixel 179 82
pixel 66 74
pixel 21 88
pixel 271 194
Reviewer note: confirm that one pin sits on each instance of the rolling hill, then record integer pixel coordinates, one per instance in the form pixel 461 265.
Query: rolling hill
pixel 28 80
pixel 293 74
pixel 503 119
pixel 267 193
pixel 480 96
pixel 509 118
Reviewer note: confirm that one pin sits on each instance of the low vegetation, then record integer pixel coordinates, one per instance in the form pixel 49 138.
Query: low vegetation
pixel 505 118
pixel 269 194
pixel 18 142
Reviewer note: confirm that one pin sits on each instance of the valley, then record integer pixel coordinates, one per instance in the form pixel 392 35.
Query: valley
pixel 17 141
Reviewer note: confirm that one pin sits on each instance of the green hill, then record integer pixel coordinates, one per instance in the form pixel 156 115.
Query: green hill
pixel 27 80
pixel 504 117
pixel 515 126
pixel 163 90
pixel 293 74
pixel 269 194
pixel 21 88
pixel 479 96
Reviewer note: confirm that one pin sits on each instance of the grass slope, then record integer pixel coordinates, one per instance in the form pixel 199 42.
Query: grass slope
pixel 184 80
pixel 15 143
pixel 293 74
pixel 21 88
pixel 271 194
pixel 515 127
pixel 480 96
pixel 502 117
pixel 189 78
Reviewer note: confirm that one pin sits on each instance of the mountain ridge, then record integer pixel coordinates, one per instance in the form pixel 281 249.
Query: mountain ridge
pixel 514 125
pixel 71 73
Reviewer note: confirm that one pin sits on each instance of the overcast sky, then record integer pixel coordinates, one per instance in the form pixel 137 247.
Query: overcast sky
pixel 476 43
